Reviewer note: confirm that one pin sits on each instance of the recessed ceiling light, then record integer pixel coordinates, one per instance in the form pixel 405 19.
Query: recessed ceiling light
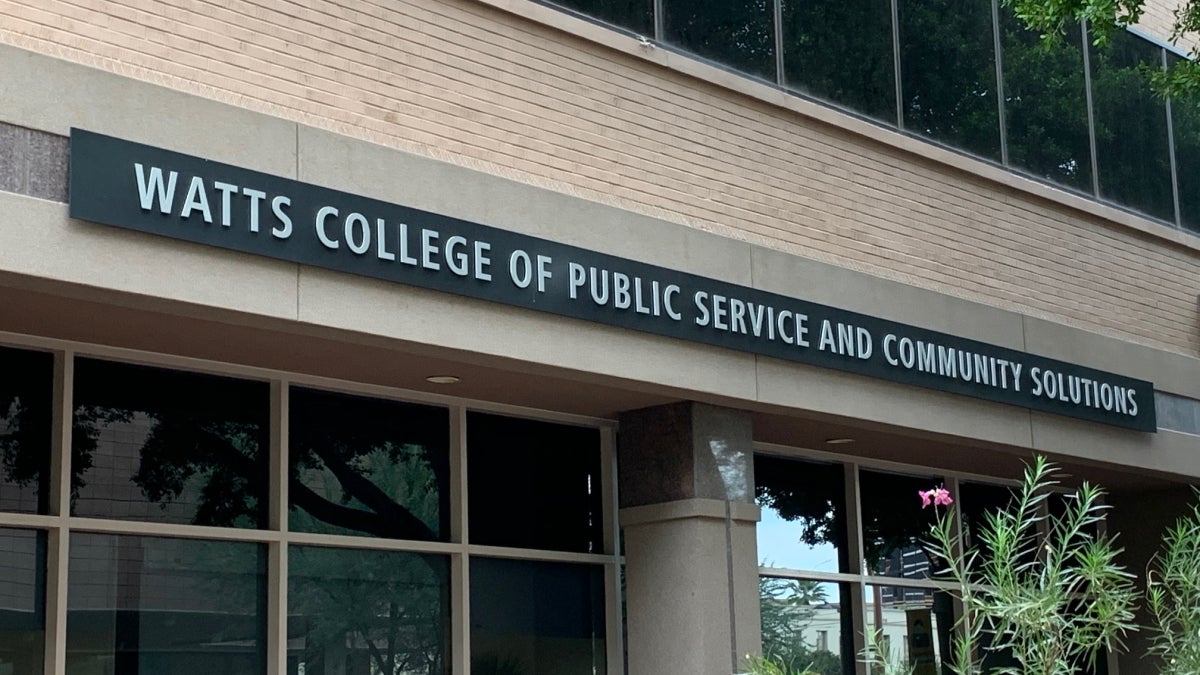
pixel 838 441
pixel 443 379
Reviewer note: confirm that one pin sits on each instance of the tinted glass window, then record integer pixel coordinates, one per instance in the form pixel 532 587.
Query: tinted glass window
pixel 895 524
pixel 22 601
pixel 916 624
pixel 975 502
pixel 1185 115
pixel 25 405
pixel 841 51
pixel 948 73
pixel 1131 127
pixel 737 33
pixel 533 484
pixel 1045 104
pixel 636 15
pixel 807 623
pixel 163 445
pixel 141 605
pixel 536 618
pixel 368 466
pixel 803 525
pixel 357 611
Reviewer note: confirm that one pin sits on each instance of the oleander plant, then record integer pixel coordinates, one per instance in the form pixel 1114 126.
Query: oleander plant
pixel 1042 589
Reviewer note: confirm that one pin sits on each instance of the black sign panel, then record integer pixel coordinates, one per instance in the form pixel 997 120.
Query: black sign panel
pixel 138 187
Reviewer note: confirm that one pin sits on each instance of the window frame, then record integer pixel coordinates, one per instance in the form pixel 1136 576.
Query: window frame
pixel 59 525
pixel 860 582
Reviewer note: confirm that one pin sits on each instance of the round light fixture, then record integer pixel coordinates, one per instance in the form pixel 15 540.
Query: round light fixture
pixel 838 441
pixel 443 379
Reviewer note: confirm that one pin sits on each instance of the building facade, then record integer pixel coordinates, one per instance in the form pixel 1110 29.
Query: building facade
pixel 499 336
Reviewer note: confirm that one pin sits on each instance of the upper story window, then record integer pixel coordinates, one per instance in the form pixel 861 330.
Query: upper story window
pixel 962 73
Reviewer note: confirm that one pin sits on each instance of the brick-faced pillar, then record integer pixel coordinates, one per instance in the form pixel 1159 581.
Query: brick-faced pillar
pixel 686 484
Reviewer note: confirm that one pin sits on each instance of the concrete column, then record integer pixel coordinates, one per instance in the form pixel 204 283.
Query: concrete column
pixel 686 481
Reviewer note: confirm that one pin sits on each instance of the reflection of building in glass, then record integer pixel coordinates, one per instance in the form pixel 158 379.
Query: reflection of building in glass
pixel 892 619
pixel 906 563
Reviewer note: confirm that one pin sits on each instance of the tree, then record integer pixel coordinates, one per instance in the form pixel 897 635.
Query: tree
pixel 1053 18
pixel 1043 587
pixel 787 608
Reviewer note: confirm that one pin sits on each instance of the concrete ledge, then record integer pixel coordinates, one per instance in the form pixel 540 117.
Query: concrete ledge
pixel 684 509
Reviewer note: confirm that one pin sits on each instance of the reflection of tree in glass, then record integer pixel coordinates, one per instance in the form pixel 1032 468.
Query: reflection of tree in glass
pixel 215 462
pixel 805 493
pixel 25 404
pixel 948 74
pixel 375 611
pixel 841 51
pixel 737 33
pixel 1045 105
pixel 1131 126
pixel 368 466
pixel 401 473
pixel 374 467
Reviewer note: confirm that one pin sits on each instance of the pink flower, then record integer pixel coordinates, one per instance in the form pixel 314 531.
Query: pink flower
pixel 938 496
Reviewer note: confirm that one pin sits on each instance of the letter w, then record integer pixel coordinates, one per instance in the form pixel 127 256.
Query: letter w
pixel 147 189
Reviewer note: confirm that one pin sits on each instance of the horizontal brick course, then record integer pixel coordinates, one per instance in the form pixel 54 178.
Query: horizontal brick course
pixel 1158 18
pixel 460 81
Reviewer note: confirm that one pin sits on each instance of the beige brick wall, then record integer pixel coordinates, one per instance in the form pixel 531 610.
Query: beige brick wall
pixel 464 82
pixel 1157 18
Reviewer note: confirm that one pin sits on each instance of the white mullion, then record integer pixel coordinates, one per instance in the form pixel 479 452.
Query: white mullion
pixel 544 555
pixel 460 619
pixel 143 528
pixel 614 640
pixel 277 510
pixel 959 610
pixel 29 521
pixel 58 556
pixel 277 584
pixel 57 560
pixel 460 564
pixel 838 578
pixel 60 442
pixel 277 513
pixel 458 475
pixel 608 493
pixel 372 543
pixel 854 552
